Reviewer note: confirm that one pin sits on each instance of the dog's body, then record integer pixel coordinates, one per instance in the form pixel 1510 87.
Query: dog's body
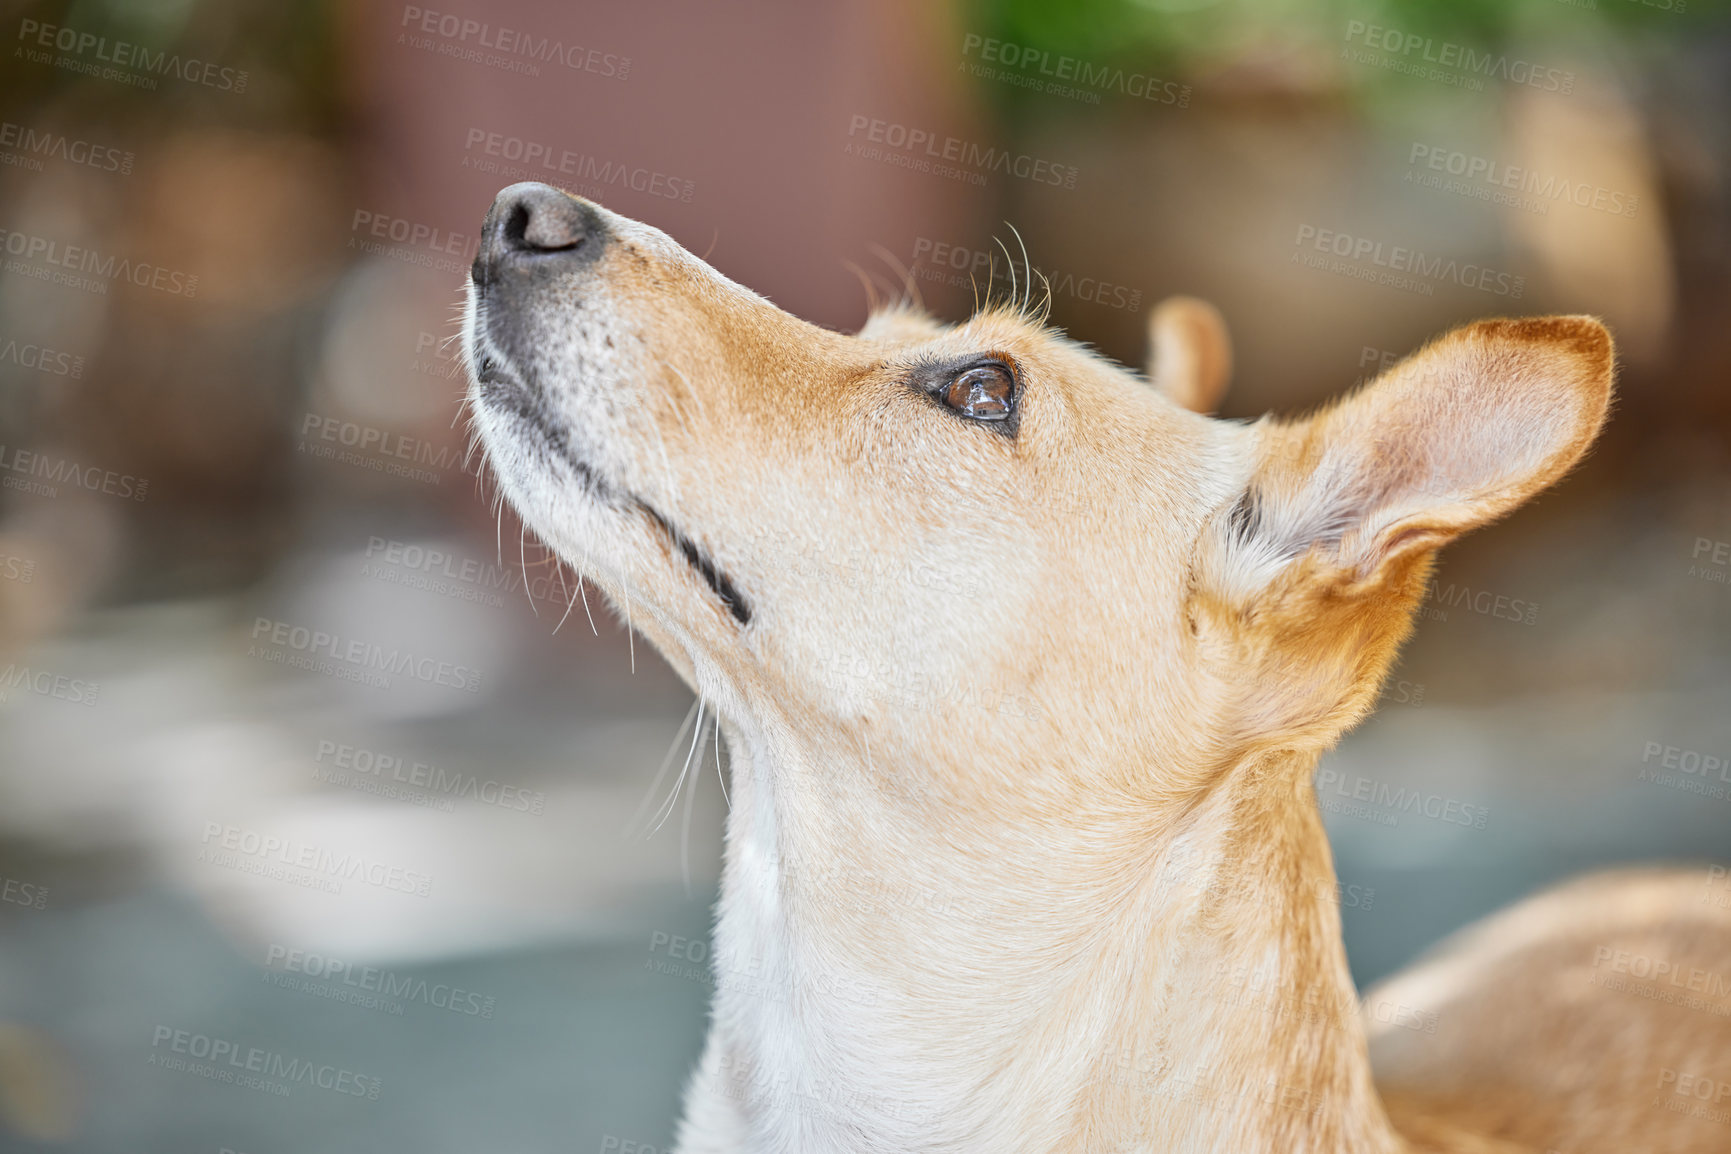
pixel 1022 852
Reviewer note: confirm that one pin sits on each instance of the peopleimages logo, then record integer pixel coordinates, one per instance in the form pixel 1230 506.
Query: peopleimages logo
pixel 80 260
pixel 380 234
pixel 357 763
pixel 923 150
pixel 1067 76
pixel 1446 61
pixel 106 59
pixel 42 359
pixel 228 1061
pixel 46 683
pixel 1717 567
pixel 1688 770
pixel 1396 266
pixel 371 980
pixel 514 157
pixel 450 574
pixel 370 447
pixel 364 658
pixel 1659 969
pixel 1386 802
pixel 440 563
pixel 248 850
pixel 32 472
pixel 501 47
pixel 1710 1094
pixel 25 894
pixel 1482 178
pixel 1480 601
pixel 32 146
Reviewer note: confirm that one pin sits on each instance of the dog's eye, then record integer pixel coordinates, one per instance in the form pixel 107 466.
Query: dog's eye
pixel 984 392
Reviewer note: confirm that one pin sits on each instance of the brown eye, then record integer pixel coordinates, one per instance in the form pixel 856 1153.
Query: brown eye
pixel 983 392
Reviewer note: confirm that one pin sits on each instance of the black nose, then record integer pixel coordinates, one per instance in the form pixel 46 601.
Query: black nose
pixel 534 225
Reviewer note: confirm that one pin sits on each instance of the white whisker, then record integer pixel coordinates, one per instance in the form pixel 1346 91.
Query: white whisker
pixel 678 409
pixel 583 589
pixel 910 286
pixel 689 391
pixel 866 283
pixel 685 828
pixel 673 798
pixel 667 761
pixel 1027 269
pixel 718 775
pixel 522 533
pixel 1009 261
pixel 673 499
pixel 570 598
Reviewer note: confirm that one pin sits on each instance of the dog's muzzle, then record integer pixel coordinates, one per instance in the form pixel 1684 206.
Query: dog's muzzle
pixel 534 239
pixel 537 237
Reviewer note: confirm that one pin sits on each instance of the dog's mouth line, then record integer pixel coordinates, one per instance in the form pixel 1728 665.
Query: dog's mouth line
pixel 500 386
pixel 713 575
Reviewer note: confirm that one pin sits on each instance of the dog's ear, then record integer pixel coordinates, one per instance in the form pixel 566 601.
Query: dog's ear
pixel 1189 353
pixel 1453 437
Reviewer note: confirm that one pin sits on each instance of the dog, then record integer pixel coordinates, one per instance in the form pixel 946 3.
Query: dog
pixel 1024 665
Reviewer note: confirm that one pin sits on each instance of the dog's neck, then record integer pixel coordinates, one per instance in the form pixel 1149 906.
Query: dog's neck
pixel 1093 971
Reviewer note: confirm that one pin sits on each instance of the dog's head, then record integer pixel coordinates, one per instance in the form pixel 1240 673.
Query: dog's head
pixel 972 545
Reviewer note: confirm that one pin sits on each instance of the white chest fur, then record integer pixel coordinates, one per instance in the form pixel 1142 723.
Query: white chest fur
pixel 1038 1016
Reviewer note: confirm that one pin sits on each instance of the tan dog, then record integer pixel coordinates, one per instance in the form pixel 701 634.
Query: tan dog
pixel 1024 668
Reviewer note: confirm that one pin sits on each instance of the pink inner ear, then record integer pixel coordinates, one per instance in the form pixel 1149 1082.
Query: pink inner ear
pixel 1450 439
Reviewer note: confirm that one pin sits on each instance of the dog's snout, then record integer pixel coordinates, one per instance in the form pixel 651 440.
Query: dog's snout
pixel 537 218
pixel 532 223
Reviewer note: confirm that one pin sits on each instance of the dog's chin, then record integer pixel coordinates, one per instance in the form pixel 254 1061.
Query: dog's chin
pixel 571 503
pixel 519 422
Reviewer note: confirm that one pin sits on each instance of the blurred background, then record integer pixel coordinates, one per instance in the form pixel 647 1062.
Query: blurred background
pixel 255 897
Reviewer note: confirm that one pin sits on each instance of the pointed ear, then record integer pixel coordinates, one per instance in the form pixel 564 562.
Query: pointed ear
pixel 1453 437
pixel 1189 353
